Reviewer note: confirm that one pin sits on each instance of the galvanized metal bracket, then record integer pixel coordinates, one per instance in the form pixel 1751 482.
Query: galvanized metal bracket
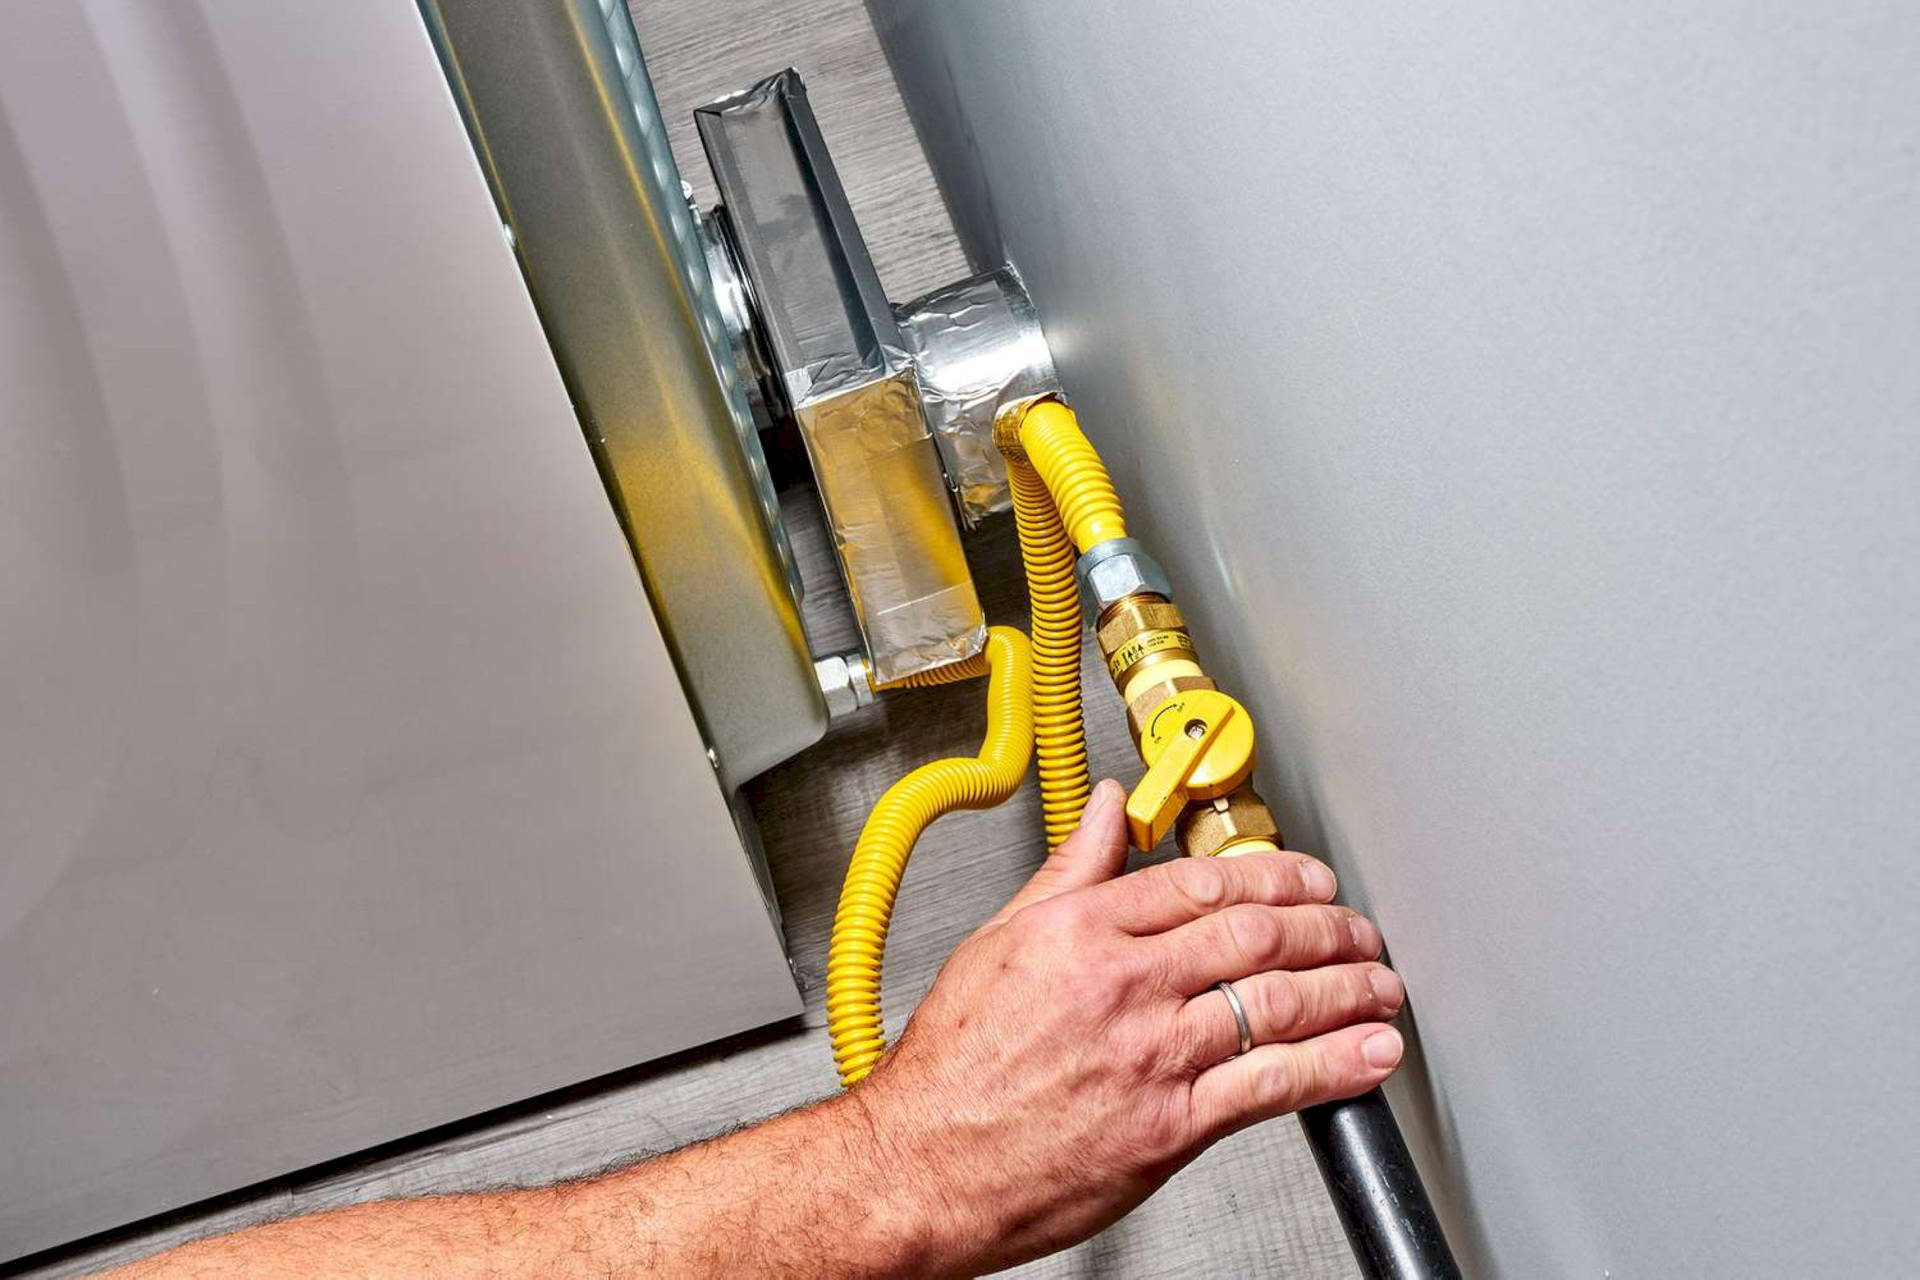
pixel 614 264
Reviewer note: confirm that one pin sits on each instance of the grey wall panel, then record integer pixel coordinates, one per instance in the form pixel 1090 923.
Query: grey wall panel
pixel 345 785
pixel 1526 401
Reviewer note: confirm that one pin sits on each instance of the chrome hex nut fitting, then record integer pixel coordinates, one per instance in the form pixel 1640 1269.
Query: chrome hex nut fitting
pixel 1115 569
pixel 845 683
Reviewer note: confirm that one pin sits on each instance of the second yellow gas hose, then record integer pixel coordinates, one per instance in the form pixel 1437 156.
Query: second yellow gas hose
pixel 1058 484
pixel 952 673
pixel 907 808
pixel 1063 501
pixel 1060 735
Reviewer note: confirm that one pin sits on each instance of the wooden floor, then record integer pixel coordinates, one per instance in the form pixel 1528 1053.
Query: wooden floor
pixel 1253 1206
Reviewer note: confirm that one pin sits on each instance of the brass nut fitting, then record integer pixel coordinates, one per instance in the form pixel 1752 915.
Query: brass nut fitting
pixel 1142 631
pixel 1131 617
pixel 1206 828
pixel 1148 699
pixel 1006 425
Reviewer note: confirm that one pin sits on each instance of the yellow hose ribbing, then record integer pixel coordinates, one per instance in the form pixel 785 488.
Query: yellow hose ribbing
pixel 1075 477
pixel 1063 502
pixel 951 673
pixel 907 808
pixel 1060 735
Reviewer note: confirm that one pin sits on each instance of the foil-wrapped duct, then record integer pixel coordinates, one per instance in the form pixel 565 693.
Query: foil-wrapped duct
pixel 848 379
pixel 977 346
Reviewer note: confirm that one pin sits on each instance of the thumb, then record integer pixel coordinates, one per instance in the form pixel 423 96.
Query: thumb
pixel 1095 852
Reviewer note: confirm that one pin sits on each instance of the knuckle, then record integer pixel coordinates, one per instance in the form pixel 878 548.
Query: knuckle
pixel 1033 926
pixel 1282 1007
pixel 1202 882
pixel 1091 988
pixel 1132 967
pixel 1254 932
pixel 1285 867
pixel 1360 995
pixel 1191 1047
pixel 1321 1070
pixel 1164 969
pixel 1311 1073
pixel 1070 913
pixel 1381 989
pixel 1262 877
pixel 1251 876
pixel 1142 1060
pixel 1316 877
pixel 1335 934
pixel 1279 879
pixel 1280 1083
pixel 1364 934
pixel 1158 1129
pixel 1268 877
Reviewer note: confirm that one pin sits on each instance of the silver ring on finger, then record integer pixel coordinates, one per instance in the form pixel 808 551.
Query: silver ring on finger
pixel 1239 1015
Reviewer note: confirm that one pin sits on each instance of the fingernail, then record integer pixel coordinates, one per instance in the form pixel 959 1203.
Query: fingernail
pixel 1388 990
pixel 1365 936
pixel 1317 879
pixel 1382 1049
pixel 1102 797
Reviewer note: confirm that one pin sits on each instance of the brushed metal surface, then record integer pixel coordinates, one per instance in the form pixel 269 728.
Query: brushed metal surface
pixel 1524 401
pixel 346 786
pixel 557 97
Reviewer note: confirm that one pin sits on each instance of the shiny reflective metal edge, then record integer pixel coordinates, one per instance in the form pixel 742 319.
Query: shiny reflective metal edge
pixel 848 378
pixel 566 127
pixel 976 346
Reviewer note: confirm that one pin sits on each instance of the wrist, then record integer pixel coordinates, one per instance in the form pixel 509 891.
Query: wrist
pixel 826 1190
pixel 903 1218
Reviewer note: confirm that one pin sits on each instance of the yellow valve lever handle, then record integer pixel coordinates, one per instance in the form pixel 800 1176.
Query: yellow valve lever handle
pixel 1197 745
pixel 1162 792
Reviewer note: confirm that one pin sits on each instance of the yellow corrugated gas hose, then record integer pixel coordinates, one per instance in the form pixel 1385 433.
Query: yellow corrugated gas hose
pixel 1060 735
pixel 952 673
pixel 1063 502
pixel 907 808
pixel 1050 436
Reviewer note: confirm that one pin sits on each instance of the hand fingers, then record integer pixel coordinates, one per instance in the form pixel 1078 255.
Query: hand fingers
pixel 1277 1078
pixel 1283 1007
pixel 1161 898
pixel 1095 852
pixel 1251 938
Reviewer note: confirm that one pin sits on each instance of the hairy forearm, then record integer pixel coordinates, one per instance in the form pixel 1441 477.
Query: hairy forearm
pixel 810 1193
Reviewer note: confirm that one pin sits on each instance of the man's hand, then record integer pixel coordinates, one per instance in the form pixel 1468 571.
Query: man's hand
pixel 1074 1054
pixel 1071 1056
